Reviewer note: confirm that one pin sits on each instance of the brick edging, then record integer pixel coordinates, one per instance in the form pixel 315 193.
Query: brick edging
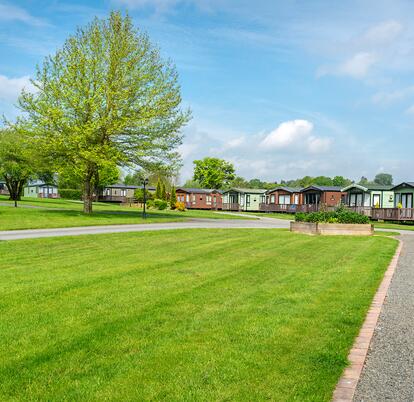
pixel 345 389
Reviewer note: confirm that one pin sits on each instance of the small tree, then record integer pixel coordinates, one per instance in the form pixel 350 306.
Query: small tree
pixel 106 96
pixel 213 172
pixel 158 191
pixel 173 198
pixel 17 161
pixel 163 192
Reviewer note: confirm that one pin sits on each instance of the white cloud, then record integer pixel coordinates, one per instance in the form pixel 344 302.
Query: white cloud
pixel 287 134
pixel 410 110
pixel 295 134
pixel 10 12
pixel 10 88
pixel 382 33
pixel 319 145
pixel 358 65
pixel 386 98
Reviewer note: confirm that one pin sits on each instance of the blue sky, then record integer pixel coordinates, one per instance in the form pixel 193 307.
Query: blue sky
pixel 280 88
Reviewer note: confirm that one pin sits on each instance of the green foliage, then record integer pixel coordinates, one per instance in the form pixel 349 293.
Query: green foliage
pixel 18 160
pixel 173 198
pixel 341 215
pixel 322 181
pixel 163 192
pixel 106 97
pixel 70 193
pixel 341 181
pixel 384 179
pixel 192 184
pixel 180 206
pixel 158 191
pixel 139 195
pixel 134 179
pixel 160 204
pixel 213 172
pixel 363 181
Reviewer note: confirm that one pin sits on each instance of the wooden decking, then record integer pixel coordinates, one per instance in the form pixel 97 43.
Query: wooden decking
pixel 292 208
pixel 231 206
pixel 393 214
pixel 386 214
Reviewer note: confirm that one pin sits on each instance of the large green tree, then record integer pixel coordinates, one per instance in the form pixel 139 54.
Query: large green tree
pixel 384 179
pixel 18 161
pixel 106 97
pixel 213 172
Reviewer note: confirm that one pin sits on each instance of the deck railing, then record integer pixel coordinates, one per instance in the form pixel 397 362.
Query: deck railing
pixel 293 208
pixel 393 214
pixel 231 206
pixel 360 210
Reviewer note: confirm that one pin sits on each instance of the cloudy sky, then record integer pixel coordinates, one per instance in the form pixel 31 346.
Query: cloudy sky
pixel 281 88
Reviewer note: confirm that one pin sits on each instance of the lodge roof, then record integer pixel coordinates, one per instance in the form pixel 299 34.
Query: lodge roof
pixel 199 190
pixel 321 188
pixel 285 188
pixel 368 187
pixel 247 190
pixel 126 186
pixel 404 184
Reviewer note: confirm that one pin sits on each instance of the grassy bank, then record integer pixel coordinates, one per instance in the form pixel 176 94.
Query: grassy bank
pixel 66 213
pixel 184 315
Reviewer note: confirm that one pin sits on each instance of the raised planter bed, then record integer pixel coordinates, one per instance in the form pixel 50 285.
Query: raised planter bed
pixel 332 228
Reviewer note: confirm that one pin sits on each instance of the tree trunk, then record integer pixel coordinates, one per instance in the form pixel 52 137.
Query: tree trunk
pixel 88 191
pixel 15 188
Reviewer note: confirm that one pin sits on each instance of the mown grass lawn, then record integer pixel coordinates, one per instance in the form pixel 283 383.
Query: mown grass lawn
pixel 202 315
pixel 66 213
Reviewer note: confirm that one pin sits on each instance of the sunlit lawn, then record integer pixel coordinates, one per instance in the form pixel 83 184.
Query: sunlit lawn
pixel 66 213
pixel 194 315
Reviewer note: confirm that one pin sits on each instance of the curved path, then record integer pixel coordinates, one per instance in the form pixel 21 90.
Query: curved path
pixel 388 373
pixel 261 223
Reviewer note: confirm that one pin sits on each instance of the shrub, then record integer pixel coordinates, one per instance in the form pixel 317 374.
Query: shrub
pixel 173 198
pixel 180 206
pixel 150 204
pixel 341 215
pixel 160 204
pixel 70 193
pixel 139 195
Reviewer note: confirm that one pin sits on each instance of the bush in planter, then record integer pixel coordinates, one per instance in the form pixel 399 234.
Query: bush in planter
pixel 341 215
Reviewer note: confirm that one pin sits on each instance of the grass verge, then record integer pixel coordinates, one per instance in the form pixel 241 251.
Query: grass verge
pixel 183 315
pixel 71 215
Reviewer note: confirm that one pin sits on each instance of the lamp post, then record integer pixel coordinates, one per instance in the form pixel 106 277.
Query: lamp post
pixel 144 213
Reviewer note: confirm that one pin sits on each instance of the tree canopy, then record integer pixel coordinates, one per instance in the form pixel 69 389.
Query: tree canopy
pixel 384 179
pixel 213 172
pixel 17 160
pixel 106 97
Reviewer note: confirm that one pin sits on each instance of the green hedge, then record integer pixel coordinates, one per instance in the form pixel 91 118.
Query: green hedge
pixel 341 215
pixel 70 193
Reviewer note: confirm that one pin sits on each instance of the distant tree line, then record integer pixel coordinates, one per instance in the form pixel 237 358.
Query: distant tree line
pixel 220 174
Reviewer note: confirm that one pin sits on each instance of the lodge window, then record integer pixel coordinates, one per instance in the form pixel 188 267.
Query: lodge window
pixel 284 199
pixel 208 199
pixel 272 199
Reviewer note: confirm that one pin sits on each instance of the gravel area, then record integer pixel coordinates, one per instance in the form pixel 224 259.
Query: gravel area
pixel 388 374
